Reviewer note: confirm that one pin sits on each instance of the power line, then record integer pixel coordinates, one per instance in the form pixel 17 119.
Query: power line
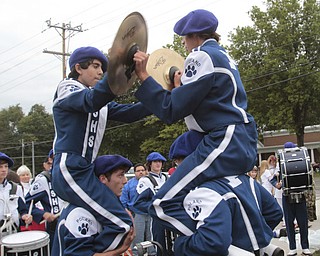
pixel 64 27
pixel 283 81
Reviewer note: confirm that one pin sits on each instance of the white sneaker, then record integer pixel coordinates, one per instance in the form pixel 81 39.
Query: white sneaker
pixel 292 252
pixel 306 252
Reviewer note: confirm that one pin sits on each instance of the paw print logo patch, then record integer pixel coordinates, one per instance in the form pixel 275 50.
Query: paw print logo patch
pixel 196 211
pixel 72 88
pixel 190 70
pixel 83 228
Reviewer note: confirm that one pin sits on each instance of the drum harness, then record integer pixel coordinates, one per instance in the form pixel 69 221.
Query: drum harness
pixel 53 198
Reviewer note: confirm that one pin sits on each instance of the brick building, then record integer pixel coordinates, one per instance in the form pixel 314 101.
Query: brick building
pixel 274 140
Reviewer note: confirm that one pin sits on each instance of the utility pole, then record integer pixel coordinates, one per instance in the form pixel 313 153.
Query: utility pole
pixel 22 151
pixel 64 28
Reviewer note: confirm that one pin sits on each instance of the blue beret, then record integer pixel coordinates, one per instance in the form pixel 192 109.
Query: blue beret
pixel 289 144
pixel 185 144
pixel 83 54
pixel 108 163
pixel 155 156
pixel 196 22
pixel 4 157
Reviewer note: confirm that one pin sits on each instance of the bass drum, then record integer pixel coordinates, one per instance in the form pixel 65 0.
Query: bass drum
pixel 295 169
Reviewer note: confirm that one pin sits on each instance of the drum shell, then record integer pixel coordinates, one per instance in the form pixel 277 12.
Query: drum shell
pixel 295 168
pixel 26 243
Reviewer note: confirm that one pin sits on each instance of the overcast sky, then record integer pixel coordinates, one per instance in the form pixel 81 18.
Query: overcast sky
pixel 28 76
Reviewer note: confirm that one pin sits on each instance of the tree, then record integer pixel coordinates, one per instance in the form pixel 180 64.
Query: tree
pixel 37 128
pixel 10 141
pixel 18 133
pixel 278 59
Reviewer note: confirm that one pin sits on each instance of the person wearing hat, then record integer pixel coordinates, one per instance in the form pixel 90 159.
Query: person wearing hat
pixel 79 232
pixel 234 210
pixel 142 220
pixel 147 187
pixel 83 103
pixel 211 98
pixel 296 210
pixel 12 202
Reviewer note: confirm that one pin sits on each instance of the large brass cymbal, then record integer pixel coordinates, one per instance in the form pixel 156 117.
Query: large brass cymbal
pixel 132 35
pixel 162 64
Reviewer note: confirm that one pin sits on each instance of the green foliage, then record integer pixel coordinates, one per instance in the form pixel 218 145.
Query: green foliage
pixel 278 59
pixel 20 135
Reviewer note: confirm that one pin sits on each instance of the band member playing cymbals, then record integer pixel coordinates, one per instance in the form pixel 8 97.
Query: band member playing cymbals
pixel 212 100
pixel 82 105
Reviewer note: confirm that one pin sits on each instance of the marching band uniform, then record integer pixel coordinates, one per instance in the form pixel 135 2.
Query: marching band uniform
pixel 80 116
pixel 78 231
pixel 146 190
pixel 41 191
pixel 12 202
pixel 213 101
pixel 233 210
pixel 296 210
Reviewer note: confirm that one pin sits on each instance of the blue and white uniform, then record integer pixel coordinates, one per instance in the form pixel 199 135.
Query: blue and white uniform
pixel 212 100
pixel 13 204
pixel 41 192
pixel 77 233
pixel 80 116
pixel 146 190
pixel 233 210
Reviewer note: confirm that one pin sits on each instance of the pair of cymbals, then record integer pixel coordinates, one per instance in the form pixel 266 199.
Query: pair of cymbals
pixel 132 35
pixel 162 65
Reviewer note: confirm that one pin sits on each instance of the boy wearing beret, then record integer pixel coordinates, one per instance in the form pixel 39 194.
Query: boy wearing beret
pixel 147 187
pixel 13 210
pixel 82 105
pixel 211 100
pixel 79 232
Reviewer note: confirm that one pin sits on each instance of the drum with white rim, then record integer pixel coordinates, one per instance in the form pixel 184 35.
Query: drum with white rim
pixel 296 171
pixel 28 243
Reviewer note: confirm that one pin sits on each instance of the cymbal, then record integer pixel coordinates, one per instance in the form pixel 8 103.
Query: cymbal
pixel 132 35
pixel 162 64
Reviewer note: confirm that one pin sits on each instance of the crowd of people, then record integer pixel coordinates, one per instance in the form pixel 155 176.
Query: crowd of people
pixel 216 200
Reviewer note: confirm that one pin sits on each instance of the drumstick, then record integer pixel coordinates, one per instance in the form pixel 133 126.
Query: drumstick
pixel 56 215
pixel 30 210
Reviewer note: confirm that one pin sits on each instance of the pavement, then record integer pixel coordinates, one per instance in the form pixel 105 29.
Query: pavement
pixel 314 229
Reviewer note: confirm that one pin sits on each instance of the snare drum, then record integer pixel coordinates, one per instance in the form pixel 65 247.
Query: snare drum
pixel 296 171
pixel 28 243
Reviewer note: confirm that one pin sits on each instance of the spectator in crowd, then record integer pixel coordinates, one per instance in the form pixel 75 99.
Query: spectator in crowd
pixel 254 173
pixel 25 178
pixel 142 220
